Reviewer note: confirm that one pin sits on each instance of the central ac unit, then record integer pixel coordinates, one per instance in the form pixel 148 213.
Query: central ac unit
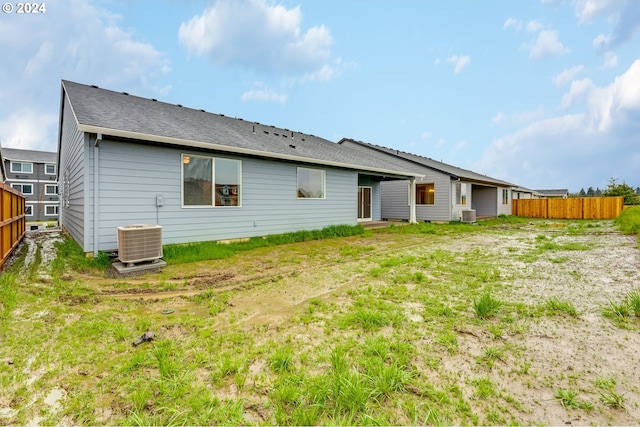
pixel 139 242
pixel 469 215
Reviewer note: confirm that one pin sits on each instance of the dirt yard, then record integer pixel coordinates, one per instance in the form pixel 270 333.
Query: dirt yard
pixel 529 364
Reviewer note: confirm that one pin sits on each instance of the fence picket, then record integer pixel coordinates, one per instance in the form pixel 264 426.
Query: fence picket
pixel 570 208
pixel 12 221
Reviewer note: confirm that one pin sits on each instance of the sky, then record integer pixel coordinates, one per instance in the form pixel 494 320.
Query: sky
pixel 540 93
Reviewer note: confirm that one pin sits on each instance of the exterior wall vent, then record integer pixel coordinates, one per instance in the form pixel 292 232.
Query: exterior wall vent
pixel 139 242
pixel 469 215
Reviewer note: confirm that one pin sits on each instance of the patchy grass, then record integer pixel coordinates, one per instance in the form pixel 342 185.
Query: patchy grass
pixel 200 251
pixel 414 324
pixel 629 221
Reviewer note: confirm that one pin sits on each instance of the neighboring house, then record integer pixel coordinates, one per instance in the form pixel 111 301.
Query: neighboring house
pixel 442 194
pixel 546 194
pixel 33 173
pixel 524 193
pixel 201 176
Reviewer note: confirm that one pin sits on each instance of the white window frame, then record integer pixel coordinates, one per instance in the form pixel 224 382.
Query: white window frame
pixel 48 193
pixel 324 183
pixel 55 169
pixel 14 186
pixel 28 210
pixel 183 156
pixel 56 210
pixel 13 164
pixel 505 196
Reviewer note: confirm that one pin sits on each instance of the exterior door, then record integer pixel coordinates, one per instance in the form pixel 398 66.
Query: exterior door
pixel 364 203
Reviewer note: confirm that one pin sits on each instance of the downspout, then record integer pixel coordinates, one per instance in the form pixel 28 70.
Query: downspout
pixel 96 198
pixel 412 201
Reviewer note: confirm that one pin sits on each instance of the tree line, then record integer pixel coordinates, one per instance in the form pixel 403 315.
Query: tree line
pixel 614 188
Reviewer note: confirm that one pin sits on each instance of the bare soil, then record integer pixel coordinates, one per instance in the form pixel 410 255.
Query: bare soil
pixel 269 287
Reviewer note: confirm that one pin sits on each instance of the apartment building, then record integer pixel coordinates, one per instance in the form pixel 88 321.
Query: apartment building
pixel 34 174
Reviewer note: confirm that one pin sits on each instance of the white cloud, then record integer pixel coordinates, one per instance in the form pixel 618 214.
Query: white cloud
pixel 259 36
pixel 534 26
pixel 601 41
pixel 498 119
pixel 571 149
pixel 425 135
pixel 577 92
pixel 623 15
pixel 74 40
pixel 459 62
pixel 567 75
pixel 588 10
pixel 511 23
pixel 517 118
pixel 264 93
pixel 547 45
pixel 28 129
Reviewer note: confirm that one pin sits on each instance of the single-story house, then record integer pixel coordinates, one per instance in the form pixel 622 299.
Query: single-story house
pixel 127 160
pixel 525 193
pixel 443 193
pixel 556 193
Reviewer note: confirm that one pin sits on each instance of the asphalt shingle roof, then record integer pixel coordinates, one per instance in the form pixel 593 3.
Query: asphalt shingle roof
pixel 410 160
pixel 101 111
pixel 32 156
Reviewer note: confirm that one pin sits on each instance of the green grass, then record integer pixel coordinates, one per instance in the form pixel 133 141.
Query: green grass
pixel 629 221
pixel 200 251
pixel 486 306
pixel 558 307
pixel 70 256
pixel 402 326
pixel 568 398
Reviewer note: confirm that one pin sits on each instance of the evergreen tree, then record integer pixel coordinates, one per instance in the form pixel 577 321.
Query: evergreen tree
pixel 582 193
pixel 637 190
pixel 615 189
pixel 591 192
pixel 598 192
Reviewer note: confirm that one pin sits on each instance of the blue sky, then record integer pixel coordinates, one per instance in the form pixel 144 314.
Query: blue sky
pixel 541 93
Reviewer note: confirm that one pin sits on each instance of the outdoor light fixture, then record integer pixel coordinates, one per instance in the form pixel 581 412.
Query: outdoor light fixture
pixel 186 160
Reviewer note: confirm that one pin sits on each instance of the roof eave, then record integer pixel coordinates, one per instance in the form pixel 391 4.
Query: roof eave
pixel 237 150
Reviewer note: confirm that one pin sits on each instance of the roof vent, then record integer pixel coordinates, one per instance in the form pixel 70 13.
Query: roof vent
pixel 302 139
pixel 154 100
pixel 292 146
pixel 95 86
pixel 125 93
pixel 276 134
pixel 202 110
pixel 266 131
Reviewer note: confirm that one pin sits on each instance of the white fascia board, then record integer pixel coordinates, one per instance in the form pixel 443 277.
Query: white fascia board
pixel 238 150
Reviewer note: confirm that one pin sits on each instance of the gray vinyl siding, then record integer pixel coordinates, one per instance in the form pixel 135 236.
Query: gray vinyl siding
pixel 485 200
pixel 395 198
pixel 132 175
pixel 504 209
pixel 441 209
pixel 71 178
pixel 456 209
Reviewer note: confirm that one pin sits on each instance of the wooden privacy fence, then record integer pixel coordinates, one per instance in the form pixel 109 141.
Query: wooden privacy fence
pixel 12 220
pixel 570 208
